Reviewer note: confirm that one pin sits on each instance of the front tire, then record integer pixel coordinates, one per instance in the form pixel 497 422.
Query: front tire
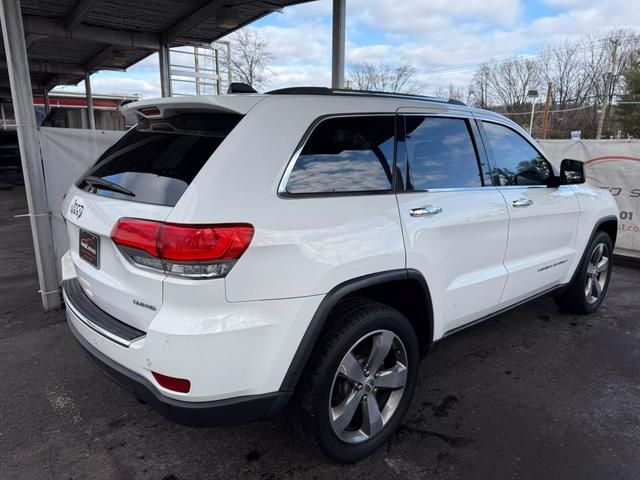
pixel 360 381
pixel 589 286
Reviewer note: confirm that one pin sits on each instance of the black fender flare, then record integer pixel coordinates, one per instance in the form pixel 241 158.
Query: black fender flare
pixel 319 319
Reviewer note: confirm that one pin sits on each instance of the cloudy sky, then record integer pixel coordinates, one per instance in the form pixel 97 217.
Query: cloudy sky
pixel 445 40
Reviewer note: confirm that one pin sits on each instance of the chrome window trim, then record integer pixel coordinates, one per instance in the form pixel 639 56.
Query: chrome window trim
pixel 470 189
pixel 450 189
pixel 429 114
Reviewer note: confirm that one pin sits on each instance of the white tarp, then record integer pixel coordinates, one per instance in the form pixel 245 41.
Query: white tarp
pixel 66 155
pixel 611 164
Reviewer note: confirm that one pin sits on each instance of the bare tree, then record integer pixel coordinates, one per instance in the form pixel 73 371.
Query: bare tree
pixel 576 71
pixel 563 67
pixel 511 80
pixel 454 93
pixel 479 88
pixel 384 78
pixel 250 57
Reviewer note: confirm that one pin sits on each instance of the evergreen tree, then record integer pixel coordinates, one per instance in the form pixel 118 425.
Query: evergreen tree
pixel 629 113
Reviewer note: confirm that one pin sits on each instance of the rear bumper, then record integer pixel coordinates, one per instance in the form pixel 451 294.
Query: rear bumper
pixel 235 355
pixel 196 414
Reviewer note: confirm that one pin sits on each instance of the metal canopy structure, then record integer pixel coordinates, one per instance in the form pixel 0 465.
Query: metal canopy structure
pixel 54 42
pixel 67 38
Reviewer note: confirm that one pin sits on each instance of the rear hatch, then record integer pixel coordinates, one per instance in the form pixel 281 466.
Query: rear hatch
pixel 142 176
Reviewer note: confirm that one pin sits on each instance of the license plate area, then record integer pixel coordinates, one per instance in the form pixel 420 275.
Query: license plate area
pixel 89 248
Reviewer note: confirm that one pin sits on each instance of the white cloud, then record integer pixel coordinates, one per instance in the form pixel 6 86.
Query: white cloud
pixel 369 53
pixel 294 76
pixel 444 40
pixel 304 43
pixel 418 16
pixel 119 83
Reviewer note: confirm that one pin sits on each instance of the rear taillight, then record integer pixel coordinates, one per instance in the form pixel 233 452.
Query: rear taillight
pixel 194 251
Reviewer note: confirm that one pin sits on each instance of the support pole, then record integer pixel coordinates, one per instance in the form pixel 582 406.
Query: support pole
pixel 90 112
pixel 229 71
pixel 547 106
pixel 165 78
pixel 196 67
pixel 337 52
pixel 218 79
pixel 45 96
pixel 35 189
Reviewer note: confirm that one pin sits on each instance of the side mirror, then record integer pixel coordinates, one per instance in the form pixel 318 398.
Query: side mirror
pixel 571 172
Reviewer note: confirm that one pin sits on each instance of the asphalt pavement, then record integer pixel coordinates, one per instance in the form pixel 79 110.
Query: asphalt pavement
pixel 532 394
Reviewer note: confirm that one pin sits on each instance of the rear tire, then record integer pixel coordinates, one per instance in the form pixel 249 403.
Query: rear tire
pixel 589 286
pixel 359 382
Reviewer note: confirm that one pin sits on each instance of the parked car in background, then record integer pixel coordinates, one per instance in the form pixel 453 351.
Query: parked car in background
pixel 231 256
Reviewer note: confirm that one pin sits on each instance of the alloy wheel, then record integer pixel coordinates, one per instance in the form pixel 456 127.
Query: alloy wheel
pixel 368 386
pixel 597 273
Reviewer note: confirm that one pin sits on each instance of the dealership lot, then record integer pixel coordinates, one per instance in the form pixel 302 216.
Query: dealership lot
pixel 531 394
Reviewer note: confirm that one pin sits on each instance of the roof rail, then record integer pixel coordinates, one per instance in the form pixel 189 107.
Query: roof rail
pixel 364 93
pixel 301 91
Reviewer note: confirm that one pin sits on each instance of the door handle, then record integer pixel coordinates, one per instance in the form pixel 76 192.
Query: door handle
pixel 522 202
pixel 425 211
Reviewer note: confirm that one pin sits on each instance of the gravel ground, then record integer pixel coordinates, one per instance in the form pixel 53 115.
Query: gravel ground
pixel 531 394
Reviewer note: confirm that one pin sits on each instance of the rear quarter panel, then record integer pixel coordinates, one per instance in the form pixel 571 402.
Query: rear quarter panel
pixel 301 246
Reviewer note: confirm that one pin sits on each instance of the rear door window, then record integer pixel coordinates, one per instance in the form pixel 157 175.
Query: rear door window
pixel 440 153
pixel 346 155
pixel 158 159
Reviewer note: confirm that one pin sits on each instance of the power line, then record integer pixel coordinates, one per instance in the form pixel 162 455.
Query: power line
pixel 551 111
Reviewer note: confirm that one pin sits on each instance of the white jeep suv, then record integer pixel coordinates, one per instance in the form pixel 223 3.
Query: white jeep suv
pixel 232 253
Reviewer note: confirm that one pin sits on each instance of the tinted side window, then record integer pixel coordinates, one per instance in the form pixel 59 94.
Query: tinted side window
pixel 347 154
pixel 440 153
pixel 515 161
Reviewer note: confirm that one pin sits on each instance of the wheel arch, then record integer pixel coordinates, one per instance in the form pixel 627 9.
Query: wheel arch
pixel 609 225
pixel 403 289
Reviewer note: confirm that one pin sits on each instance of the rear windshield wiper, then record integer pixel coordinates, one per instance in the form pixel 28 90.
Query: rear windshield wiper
pixel 107 185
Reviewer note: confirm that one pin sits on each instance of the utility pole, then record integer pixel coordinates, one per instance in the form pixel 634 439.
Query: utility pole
pixel 547 105
pixel 608 86
pixel 532 94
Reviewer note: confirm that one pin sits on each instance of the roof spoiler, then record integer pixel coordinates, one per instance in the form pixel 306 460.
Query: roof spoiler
pixel 164 107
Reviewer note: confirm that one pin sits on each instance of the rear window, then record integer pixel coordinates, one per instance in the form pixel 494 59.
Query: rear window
pixel 157 160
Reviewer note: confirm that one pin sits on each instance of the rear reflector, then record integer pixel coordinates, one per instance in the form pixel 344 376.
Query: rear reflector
pixel 181 385
pixel 199 251
pixel 150 111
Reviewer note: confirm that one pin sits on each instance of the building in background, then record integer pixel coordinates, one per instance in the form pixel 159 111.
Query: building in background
pixel 65 110
pixel 69 110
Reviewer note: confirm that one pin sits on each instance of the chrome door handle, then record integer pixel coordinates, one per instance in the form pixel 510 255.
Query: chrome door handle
pixel 425 211
pixel 522 202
